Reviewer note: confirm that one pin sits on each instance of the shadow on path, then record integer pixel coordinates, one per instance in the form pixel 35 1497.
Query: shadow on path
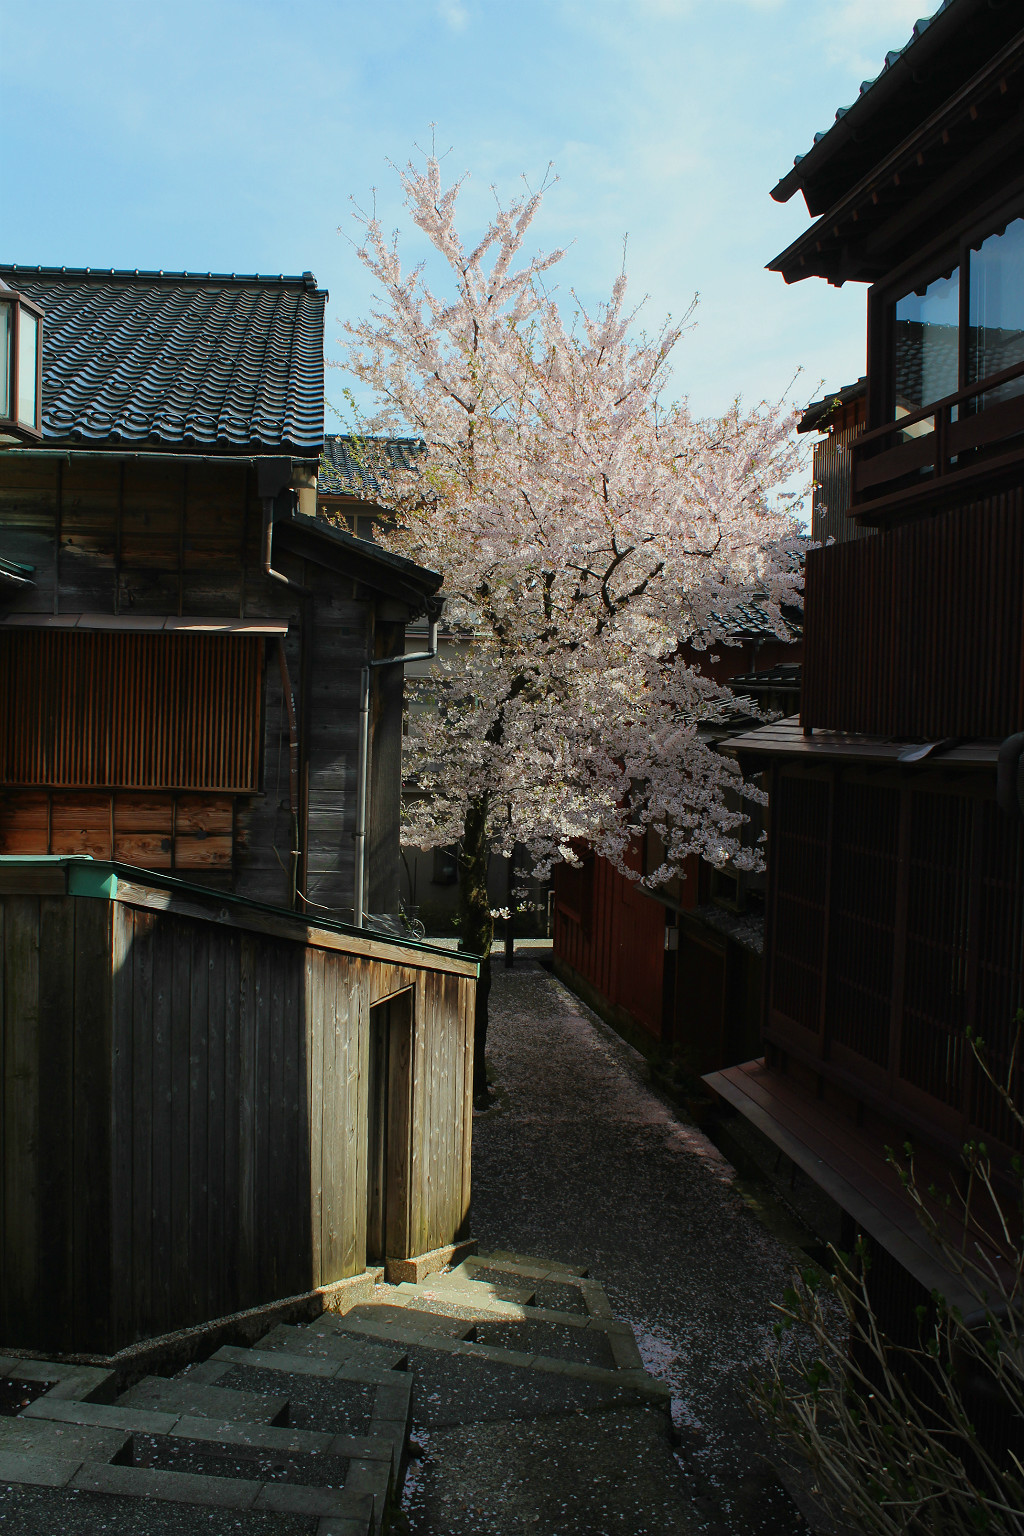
pixel 582 1163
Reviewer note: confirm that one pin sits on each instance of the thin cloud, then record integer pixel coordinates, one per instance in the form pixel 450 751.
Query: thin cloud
pixel 859 33
pixel 453 14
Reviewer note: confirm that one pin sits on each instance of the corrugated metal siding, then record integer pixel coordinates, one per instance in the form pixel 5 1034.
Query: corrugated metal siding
pixel 919 632
pixel 130 711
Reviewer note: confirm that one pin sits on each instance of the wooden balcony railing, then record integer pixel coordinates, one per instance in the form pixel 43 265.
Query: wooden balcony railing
pixel 894 466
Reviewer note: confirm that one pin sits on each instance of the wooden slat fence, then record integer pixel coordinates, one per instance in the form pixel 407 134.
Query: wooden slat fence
pixel 918 632
pixel 185 1113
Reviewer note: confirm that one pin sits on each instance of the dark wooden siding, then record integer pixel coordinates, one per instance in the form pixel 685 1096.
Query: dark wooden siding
pixel 81 709
pixel 187 833
pixel 175 539
pixel 919 631
pixel 185 1113
pixel 897 922
pixel 612 934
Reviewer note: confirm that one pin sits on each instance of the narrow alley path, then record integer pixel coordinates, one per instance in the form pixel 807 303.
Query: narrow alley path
pixel 582 1163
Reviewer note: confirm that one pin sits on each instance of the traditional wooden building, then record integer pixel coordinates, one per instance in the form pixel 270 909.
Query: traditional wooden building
pixel 353 471
pixel 896 863
pixel 201 691
pixel 677 970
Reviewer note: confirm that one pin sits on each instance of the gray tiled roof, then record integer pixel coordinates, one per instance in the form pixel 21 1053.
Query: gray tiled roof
pixel 920 28
pixel 360 466
pixel 220 361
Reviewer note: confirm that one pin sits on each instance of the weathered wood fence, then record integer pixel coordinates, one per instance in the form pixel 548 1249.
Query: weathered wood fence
pixel 187 1082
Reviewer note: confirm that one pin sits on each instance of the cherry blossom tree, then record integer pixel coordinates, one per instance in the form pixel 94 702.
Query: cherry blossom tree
pixel 584 528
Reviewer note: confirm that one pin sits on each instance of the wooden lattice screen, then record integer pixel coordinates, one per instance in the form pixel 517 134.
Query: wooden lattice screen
pixel 897 923
pixel 128 710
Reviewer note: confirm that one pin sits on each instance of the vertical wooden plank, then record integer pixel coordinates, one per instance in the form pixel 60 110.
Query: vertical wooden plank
pixel 92 1150
pixel 453 1025
pixel 214 1149
pixel 315 1024
pixel 121 1263
pixel 229 1227
pixel 353 1029
pixel 335 998
pixel 244 1287
pixel 142 925
pixel 262 1213
pixel 199 1053
pixel 56 1047
pixel 430 1129
pixel 297 1179
pixel 360 1111
pixel 20 1293
pixel 404 1130
pixel 276 1228
pixel 180 938
pixel 446 1025
pixel 162 1128
pixel 467 1001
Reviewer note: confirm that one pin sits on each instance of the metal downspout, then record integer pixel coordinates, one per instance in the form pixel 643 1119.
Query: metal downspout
pixel 359 879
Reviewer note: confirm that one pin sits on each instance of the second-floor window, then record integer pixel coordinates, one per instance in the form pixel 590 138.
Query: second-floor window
pixel 962 326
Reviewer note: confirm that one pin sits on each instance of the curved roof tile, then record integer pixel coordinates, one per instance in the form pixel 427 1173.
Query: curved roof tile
pixel 186 358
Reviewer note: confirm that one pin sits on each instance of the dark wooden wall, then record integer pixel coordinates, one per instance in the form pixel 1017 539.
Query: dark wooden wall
pixel 897 922
pixel 162 538
pixel 610 936
pixel 185 1111
pixel 919 631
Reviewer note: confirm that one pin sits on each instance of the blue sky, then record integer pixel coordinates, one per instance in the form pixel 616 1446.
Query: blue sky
pixel 211 134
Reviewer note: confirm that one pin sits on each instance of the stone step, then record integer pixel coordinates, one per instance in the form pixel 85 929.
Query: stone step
pixel 408 1323
pixel 67 1442
pixel 422 1299
pixel 461 1282
pixel 188 1395
pixel 345 1511
pixel 630 1375
pixel 527 1266
pixel 349 1369
pixel 82 1382
pixel 327 1344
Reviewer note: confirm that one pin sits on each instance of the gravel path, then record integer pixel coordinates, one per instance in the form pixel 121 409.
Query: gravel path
pixel 582 1163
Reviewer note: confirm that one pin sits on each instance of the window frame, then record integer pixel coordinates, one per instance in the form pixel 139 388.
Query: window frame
pixel 917 272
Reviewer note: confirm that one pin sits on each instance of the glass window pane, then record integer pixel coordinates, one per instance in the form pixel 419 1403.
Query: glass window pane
pixel 996 336
pixel 28 337
pixel 5 360
pixel 927 336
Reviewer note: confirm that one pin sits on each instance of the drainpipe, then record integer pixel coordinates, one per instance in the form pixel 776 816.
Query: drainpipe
pixel 359 882
pixel 272 477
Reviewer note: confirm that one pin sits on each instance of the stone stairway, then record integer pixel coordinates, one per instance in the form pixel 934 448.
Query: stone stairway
pixel 508 1371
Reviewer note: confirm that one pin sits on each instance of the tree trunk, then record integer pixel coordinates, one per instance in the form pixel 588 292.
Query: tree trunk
pixel 477 928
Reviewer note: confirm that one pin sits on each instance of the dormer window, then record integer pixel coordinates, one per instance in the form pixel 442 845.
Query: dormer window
pixel 21 368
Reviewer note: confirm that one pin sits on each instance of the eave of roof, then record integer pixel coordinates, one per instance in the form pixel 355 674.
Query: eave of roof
pixel 819 412
pixel 335 548
pixel 845 243
pixel 908 83
pixel 786 739
pixel 226 362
